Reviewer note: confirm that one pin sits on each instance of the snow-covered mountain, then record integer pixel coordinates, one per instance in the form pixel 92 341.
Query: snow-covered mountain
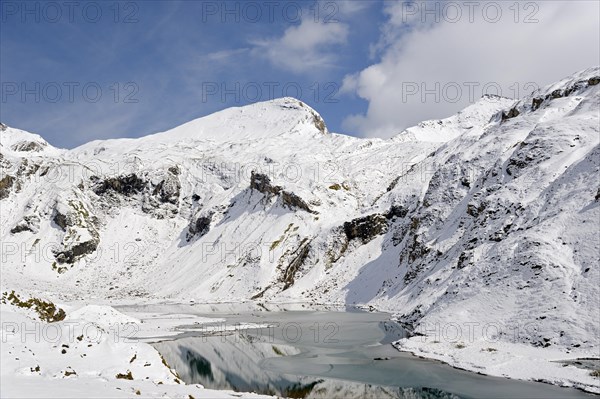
pixel 490 215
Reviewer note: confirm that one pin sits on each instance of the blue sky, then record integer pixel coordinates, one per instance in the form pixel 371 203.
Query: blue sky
pixel 106 69
pixel 164 63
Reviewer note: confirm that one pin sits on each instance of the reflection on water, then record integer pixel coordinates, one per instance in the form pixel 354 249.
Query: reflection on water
pixel 200 369
pixel 235 364
pixel 291 355
pixel 324 354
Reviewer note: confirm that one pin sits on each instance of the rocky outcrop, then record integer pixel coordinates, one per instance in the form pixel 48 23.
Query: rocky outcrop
pixel 336 246
pixel 366 228
pixel 300 256
pixel 396 211
pixel 124 185
pixel 567 91
pixel 6 183
pixel 76 251
pixel 46 311
pixel 319 123
pixel 512 113
pixel 28 146
pixel 362 230
pixel 157 194
pixel 528 153
pixel 292 201
pixel 261 183
pixel 199 227
pixel 169 189
pixel 81 236
pixel 29 223
pixel 63 220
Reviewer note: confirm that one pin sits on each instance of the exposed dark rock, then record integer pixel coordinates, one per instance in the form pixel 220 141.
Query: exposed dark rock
pixel 168 190
pixel 29 223
pixel 475 210
pixel 577 86
pixel 199 227
pixel 515 164
pixel 536 103
pixel 47 311
pixel 464 259
pixel 512 113
pixel 20 227
pixel 262 184
pixel 292 201
pixel 124 376
pixel 319 123
pixel 5 185
pixel 160 200
pixel 296 263
pixel 393 184
pixel 366 228
pixel 77 251
pixel 414 251
pixel 527 154
pixel 62 220
pixel 336 246
pixel 125 185
pixel 337 187
pixel 74 219
pixel 396 211
pixel 472 210
pixel 72 214
pixel 28 146
pixel 3 127
pixel 558 93
pixel 410 321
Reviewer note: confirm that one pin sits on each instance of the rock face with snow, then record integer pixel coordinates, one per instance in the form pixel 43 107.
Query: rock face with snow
pixel 490 215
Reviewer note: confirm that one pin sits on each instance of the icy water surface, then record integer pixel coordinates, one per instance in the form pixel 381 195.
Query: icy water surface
pixel 329 353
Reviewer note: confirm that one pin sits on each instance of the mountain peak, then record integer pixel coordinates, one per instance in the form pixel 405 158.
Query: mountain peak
pixel 281 116
pixel 19 142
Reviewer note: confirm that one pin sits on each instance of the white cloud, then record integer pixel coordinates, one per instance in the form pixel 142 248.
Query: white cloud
pixel 304 47
pixel 225 55
pixel 346 8
pixel 416 50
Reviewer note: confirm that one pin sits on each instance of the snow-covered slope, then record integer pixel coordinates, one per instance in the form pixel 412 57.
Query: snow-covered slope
pixel 475 116
pixel 489 216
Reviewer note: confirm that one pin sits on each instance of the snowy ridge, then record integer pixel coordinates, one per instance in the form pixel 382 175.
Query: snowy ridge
pixel 473 118
pixel 488 217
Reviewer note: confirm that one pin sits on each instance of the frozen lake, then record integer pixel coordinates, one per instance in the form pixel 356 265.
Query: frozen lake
pixel 322 353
